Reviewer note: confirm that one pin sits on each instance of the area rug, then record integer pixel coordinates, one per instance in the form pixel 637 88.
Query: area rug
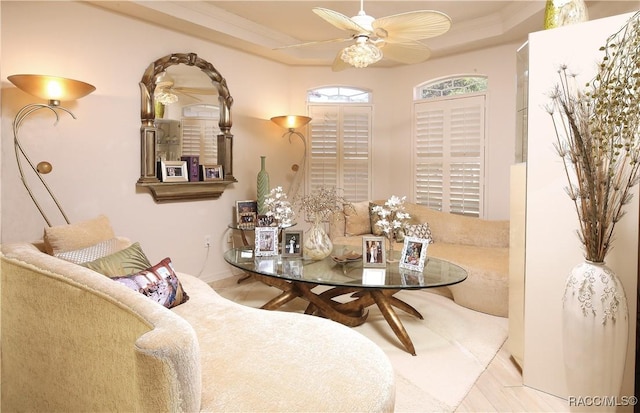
pixel 454 345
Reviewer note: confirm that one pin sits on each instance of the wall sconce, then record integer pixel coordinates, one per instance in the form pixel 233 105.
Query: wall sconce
pixel 53 89
pixel 291 123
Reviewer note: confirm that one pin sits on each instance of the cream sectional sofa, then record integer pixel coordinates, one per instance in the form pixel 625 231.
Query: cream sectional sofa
pixel 480 246
pixel 76 340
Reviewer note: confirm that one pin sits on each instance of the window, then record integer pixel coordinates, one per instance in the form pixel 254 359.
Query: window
pixel 200 132
pixel 449 135
pixel 452 86
pixel 340 141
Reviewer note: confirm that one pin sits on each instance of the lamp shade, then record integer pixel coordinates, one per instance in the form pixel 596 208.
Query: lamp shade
pixel 291 121
pixel 51 88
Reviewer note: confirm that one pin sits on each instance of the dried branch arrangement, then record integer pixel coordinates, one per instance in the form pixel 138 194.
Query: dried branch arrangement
pixel 598 138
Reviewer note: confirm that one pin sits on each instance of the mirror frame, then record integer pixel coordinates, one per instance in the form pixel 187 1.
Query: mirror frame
pixel 176 191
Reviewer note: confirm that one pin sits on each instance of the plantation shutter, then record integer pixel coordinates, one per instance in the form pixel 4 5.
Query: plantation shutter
pixel 200 133
pixel 340 142
pixel 449 154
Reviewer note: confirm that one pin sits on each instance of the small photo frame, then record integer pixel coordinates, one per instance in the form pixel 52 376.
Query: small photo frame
pixel 211 172
pixel 246 214
pixel 193 165
pixel 174 171
pixel 373 252
pixel 414 253
pixel 266 241
pixel 291 243
pixel 267 221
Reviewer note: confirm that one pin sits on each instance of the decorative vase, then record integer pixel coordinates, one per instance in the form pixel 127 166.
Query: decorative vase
pixel 595 330
pixel 159 110
pixel 564 12
pixel 263 186
pixel 317 245
pixel 390 240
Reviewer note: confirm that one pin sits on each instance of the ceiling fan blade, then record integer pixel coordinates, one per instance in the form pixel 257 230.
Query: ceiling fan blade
pixel 339 64
pixel 315 43
pixel 414 25
pixel 194 90
pixel 407 53
pixel 340 21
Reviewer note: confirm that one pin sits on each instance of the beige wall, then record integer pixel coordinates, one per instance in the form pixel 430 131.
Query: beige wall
pixel 96 157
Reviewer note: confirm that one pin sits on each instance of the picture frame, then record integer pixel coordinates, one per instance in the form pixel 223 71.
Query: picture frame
pixel 292 243
pixel 373 252
pixel 193 165
pixel 266 241
pixel 246 214
pixel 266 221
pixel 414 253
pixel 174 171
pixel 211 172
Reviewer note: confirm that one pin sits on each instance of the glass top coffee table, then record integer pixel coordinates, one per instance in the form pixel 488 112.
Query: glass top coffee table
pixel 297 277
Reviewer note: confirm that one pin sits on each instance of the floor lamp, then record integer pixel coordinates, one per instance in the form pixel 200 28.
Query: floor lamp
pixel 291 123
pixel 53 89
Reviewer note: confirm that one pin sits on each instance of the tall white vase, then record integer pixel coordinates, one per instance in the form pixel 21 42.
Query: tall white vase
pixel 595 333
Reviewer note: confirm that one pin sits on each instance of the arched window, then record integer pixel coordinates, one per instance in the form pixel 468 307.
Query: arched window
pixel 340 140
pixel 449 144
pixel 338 94
pixel 451 86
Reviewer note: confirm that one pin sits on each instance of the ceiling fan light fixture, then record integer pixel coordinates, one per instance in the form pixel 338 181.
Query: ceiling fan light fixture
pixel 361 54
pixel 166 98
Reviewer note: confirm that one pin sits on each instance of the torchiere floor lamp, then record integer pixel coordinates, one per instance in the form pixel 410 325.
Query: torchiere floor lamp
pixel 291 123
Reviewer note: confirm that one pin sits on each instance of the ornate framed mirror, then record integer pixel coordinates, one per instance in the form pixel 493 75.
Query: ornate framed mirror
pixel 185 114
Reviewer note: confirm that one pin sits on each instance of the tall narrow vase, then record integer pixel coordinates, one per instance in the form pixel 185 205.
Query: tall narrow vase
pixel 263 186
pixel 317 245
pixel 595 330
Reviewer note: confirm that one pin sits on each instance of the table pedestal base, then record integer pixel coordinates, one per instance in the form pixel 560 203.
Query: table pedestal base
pixel 351 313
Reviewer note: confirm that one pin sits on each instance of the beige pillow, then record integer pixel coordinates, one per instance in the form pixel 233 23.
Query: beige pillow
pixel 357 220
pixel 71 237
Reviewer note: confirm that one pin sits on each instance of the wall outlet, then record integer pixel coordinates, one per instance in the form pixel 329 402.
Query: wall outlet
pixel 207 241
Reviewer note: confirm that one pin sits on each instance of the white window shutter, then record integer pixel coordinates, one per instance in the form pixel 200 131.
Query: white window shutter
pixel 340 142
pixel 323 165
pixel 200 137
pixel 449 154
pixel 200 132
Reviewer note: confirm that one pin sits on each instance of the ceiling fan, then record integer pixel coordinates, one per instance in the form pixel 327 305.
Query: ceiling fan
pixel 395 37
pixel 166 91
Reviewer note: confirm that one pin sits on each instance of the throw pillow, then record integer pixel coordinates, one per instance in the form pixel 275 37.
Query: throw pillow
pixel 357 221
pixel 419 231
pixel 91 253
pixel 160 283
pixel 71 237
pixel 374 217
pixel 125 262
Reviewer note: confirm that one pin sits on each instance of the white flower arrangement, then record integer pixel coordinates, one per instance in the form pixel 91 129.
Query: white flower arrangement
pixel 392 215
pixel 279 207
